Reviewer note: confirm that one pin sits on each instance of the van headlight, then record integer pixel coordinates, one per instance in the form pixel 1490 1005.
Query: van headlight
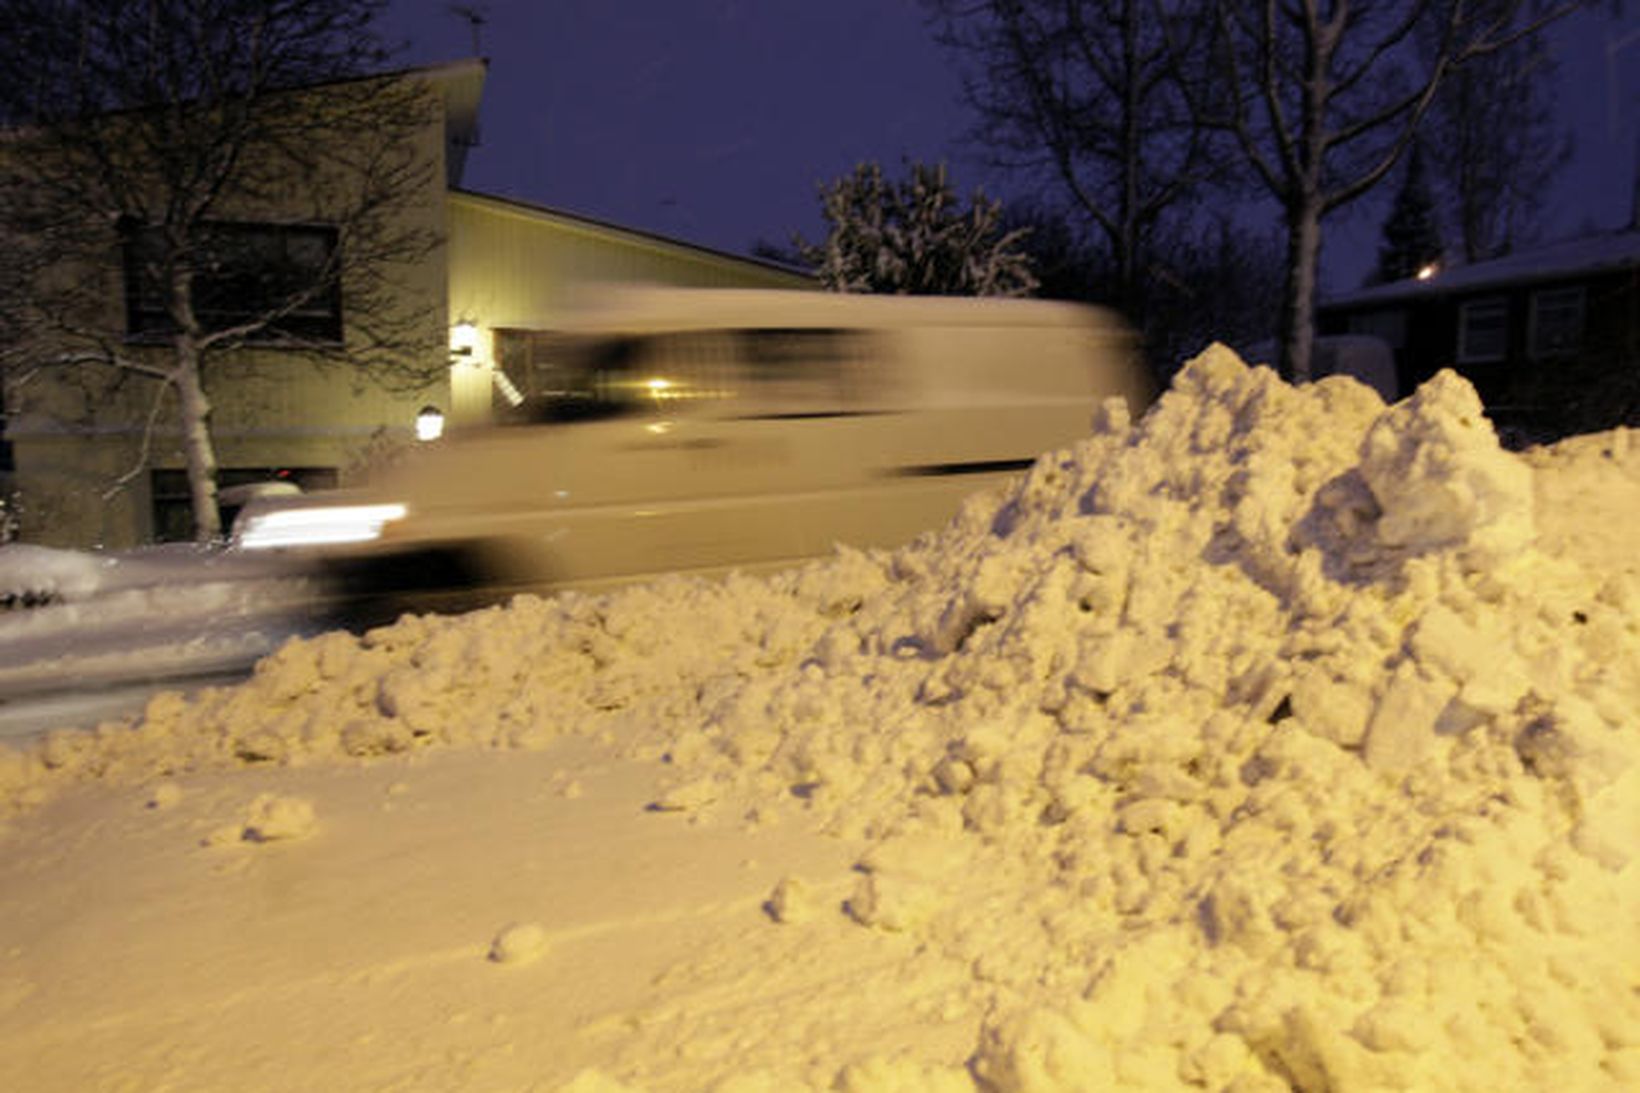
pixel 322 525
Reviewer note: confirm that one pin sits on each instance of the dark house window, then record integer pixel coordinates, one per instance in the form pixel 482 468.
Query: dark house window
pixel 281 276
pixel 1483 331
pixel 1556 322
pixel 173 504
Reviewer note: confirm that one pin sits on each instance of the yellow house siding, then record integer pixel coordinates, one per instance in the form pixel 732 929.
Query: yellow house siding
pixel 502 264
pixel 271 407
pixel 514 265
pixel 519 266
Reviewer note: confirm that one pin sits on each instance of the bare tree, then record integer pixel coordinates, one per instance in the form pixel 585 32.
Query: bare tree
pixel 1215 278
pixel 1494 146
pixel 1066 262
pixel 1092 91
pixel 914 236
pixel 1325 96
pixel 224 167
pixel 1220 282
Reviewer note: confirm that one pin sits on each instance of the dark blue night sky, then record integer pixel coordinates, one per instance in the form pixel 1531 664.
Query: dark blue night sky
pixel 714 120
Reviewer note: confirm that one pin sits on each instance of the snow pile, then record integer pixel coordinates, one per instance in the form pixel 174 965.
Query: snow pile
pixel 31 575
pixel 1254 745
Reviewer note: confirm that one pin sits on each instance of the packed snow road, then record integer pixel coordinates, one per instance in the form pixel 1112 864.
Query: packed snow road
pixel 87 637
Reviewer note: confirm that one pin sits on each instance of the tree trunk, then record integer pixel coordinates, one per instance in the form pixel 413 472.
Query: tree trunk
pixel 1128 252
pixel 195 412
pixel 1298 302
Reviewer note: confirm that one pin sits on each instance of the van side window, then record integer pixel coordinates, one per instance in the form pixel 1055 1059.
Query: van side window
pixel 544 377
pixel 754 372
pixel 803 372
pixel 540 376
pixel 600 383
pixel 689 371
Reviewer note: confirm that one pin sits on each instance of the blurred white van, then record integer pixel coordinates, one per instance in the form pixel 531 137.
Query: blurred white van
pixel 704 430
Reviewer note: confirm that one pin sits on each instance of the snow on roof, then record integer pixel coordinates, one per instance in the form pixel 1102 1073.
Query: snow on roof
pixel 1587 254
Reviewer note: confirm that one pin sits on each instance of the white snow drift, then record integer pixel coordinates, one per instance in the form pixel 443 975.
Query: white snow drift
pixel 1278 740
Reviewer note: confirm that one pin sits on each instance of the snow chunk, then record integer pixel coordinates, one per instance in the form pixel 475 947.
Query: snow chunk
pixel 791 901
pixel 518 943
pixel 29 573
pixel 1041 1051
pixel 163 795
pixel 1434 466
pixel 272 817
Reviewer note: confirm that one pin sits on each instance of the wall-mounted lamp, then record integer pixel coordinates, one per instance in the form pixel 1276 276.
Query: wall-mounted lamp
pixel 464 339
pixel 1427 270
pixel 429 423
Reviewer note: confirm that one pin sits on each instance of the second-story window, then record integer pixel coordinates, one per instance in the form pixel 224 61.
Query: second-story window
pixel 277 280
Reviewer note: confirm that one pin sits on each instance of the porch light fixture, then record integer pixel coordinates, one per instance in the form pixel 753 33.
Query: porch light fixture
pixel 429 423
pixel 464 339
pixel 1427 271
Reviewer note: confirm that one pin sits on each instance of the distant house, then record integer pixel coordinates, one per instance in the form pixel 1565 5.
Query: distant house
pixel 1541 333
pixel 505 274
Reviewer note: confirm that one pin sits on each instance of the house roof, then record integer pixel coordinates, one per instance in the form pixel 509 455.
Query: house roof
pixel 1603 251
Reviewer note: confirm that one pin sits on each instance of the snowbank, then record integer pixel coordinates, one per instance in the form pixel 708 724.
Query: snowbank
pixel 1278 740
pixel 35 574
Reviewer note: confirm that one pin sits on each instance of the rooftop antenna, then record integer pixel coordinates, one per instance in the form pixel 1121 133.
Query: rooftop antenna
pixel 476 17
pixel 467 137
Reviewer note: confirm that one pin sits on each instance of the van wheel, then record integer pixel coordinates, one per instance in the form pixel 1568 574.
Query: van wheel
pixel 446 579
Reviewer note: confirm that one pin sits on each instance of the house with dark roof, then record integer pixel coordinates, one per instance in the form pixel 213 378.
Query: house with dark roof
pixel 1550 336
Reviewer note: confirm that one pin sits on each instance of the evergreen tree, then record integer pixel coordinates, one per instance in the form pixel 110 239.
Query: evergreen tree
pixel 1412 236
pixel 914 237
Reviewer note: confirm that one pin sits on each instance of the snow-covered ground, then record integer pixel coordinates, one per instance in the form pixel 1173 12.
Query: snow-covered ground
pixel 1277 741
